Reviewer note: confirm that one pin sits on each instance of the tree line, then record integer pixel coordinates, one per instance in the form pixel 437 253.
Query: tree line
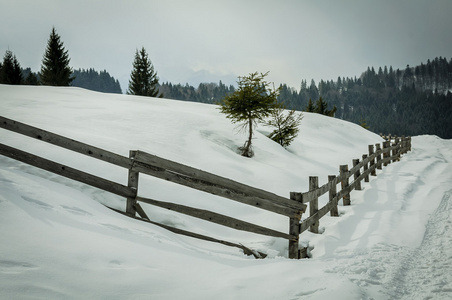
pixel 96 81
pixel 55 71
pixel 211 93
pixel 413 101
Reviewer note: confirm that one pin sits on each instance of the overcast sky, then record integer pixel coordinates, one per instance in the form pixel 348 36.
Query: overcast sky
pixel 188 41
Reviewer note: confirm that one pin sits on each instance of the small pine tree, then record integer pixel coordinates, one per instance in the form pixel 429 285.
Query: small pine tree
pixel 251 103
pixel 55 68
pixel 320 107
pixel 310 107
pixel 286 126
pixel 10 73
pixel 31 79
pixel 143 79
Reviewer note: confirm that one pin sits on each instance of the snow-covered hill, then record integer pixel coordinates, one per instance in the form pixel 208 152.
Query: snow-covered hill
pixel 60 242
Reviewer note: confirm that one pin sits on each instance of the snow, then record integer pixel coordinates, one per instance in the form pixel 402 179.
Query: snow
pixel 60 242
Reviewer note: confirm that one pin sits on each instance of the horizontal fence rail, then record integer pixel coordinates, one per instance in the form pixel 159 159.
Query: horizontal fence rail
pixel 360 171
pixel 145 163
pixel 65 142
pixel 66 171
pixel 148 164
pixel 158 167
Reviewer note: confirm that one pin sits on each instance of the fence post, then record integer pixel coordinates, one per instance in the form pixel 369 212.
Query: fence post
pixel 343 169
pixel 396 151
pixel 356 175
pixel 366 167
pixel 314 204
pixel 372 161
pixel 378 148
pixel 133 183
pixel 403 145
pixel 332 193
pixel 386 154
pixel 409 144
pixel 294 229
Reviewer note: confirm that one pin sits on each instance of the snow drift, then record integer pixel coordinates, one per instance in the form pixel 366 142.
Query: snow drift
pixel 59 241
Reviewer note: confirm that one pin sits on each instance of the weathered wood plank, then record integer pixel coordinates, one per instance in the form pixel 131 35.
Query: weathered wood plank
pixel 357 174
pixel 246 250
pixel 378 152
pixel 371 157
pixel 203 178
pixel 225 192
pixel 332 193
pixel 140 211
pixel 366 167
pixel 305 224
pixel 343 169
pixel 66 171
pixel 386 153
pixel 65 142
pixel 310 195
pixel 396 150
pixel 132 183
pixel 294 227
pixel 216 218
pixel 314 204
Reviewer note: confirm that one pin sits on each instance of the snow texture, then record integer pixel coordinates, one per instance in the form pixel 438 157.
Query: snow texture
pixel 59 242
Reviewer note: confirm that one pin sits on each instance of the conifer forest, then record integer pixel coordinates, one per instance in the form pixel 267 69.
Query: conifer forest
pixel 413 101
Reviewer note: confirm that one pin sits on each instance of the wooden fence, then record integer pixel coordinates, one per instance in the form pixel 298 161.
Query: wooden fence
pixel 145 163
pixel 377 157
pixel 141 162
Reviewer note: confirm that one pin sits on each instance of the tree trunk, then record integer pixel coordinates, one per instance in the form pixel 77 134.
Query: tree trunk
pixel 246 150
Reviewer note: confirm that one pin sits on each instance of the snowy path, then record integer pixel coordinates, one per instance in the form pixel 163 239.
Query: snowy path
pixel 410 258
pixel 427 272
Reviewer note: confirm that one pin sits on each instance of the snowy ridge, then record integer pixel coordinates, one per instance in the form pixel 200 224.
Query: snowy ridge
pixel 61 242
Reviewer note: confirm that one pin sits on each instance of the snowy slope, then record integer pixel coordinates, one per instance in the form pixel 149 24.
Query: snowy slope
pixel 58 241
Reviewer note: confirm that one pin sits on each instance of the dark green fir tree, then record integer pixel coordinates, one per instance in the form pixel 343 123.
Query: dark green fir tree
pixel 143 79
pixel 310 107
pixel 321 107
pixel 55 68
pixel 10 72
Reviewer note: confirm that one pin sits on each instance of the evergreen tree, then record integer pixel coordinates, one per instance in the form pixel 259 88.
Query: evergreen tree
pixel 287 126
pixel 321 107
pixel 143 79
pixel 251 103
pixel 313 91
pixel 10 73
pixel 31 78
pixel 55 68
pixel 310 107
pixel 96 81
